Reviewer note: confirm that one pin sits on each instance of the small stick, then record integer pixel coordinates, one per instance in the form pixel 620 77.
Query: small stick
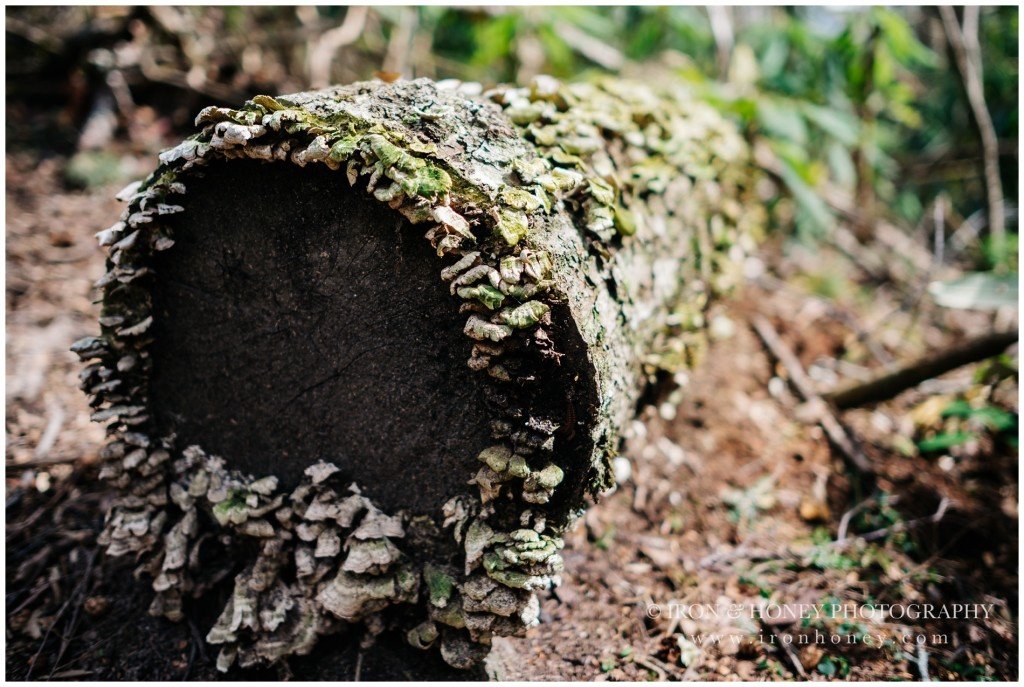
pixel 794 660
pixel 80 593
pixel 35 659
pixel 359 666
pixel 36 593
pixel 844 522
pixel 40 462
pixel 52 431
pixel 896 380
pixel 907 526
pixel 922 662
pixel 837 434
pixel 649 663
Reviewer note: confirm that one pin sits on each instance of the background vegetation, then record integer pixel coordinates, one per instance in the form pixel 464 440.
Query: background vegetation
pixel 868 101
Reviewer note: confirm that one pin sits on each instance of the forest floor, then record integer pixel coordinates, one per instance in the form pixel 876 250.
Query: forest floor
pixel 731 494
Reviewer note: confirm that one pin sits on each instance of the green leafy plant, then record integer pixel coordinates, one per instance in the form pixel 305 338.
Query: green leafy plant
pixel 833 666
pixel 745 504
pixel 976 421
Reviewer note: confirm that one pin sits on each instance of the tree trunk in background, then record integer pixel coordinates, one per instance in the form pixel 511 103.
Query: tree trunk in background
pixel 368 428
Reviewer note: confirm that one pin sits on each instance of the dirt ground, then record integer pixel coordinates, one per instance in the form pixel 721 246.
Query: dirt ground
pixel 730 494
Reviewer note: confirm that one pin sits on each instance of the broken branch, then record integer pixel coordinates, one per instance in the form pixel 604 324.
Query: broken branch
pixel 899 379
pixel 837 434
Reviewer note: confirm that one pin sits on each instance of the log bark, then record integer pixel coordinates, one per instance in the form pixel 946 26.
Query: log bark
pixel 364 427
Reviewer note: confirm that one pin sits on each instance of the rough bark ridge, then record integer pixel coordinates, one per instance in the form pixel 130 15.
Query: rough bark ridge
pixel 581 228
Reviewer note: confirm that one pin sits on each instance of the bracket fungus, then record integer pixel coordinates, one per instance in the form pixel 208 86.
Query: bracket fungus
pixel 384 429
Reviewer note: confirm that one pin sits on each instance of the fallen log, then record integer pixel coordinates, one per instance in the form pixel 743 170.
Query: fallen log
pixel 366 427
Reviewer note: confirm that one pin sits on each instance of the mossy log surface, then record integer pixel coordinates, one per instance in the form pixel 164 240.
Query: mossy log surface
pixel 367 427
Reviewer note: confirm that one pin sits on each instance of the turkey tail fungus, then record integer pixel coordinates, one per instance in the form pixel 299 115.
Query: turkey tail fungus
pixel 363 426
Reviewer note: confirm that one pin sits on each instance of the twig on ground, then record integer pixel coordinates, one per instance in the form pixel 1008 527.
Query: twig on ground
pixel 837 434
pixel 744 552
pixel 844 522
pixel 844 314
pixel 793 659
pixel 906 526
pixel 53 426
pixel 39 462
pixel 873 265
pixel 71 674
pixel 359 666
pixel 894 381
pixel 34 34
pixel 651 663
pixel 36 593
pixel 939 230
pixel 42 644
pixel 198 641
pixel 921 661
pixel 81 591
pixel 14 529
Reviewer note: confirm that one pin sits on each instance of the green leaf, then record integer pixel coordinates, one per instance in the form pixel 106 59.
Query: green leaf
pixel 941 442
pixel 995 419
pixel 840 125
pixel 783 120
pixel 958 408
pixel 558 52
pixel 1005 254
pixel 494 39
pixel 816 219
pixel 840 164
pixel 774 58
pixel 977 291
pixel 512 226
pixel 900 39
pixel 646 36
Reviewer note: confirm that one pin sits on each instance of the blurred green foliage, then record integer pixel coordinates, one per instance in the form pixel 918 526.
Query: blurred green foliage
pixel 863 99
pixel 863 102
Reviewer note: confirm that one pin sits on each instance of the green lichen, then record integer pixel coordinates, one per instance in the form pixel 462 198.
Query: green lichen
pixel 520 199
pixel 486 294
pixel 233 509
pixel 523 316
pixel 496 457
pixel 428 181
pixel 440 585
pixel 512 226
pixel 268 103
pixel 517 467
pixel 344 148
pixel 624 221
pixel 548 478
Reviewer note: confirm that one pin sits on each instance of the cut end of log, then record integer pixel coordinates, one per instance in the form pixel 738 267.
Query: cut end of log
pixel 296 319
